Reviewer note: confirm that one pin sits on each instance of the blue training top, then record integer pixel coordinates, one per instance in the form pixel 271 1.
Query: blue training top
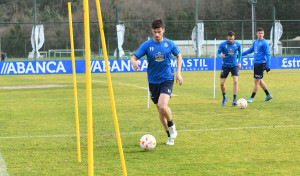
pixel 159 59
pixel 261 51
pixel 230 51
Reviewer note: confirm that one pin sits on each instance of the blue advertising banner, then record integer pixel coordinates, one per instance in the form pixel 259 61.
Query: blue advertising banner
pixel 123 65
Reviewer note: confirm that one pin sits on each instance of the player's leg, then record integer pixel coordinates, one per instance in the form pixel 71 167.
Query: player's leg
pixel 155 95
pixel 264 87
pixel 223 76
pixel 163 120
pixel 256 85
pixel 255 89
pixel 235 76
pixel 165 116
pixel 165 113
pixel 235 89
pixel 258 75
pixel 222 83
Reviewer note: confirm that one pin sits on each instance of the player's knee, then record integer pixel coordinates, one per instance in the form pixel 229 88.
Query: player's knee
pixel 162 108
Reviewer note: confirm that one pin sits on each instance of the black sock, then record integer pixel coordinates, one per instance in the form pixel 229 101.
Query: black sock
pixel 234 97
pixel 224 95
pixel 253 94
pixel 170 123
pixel 168 133
pixel 267 92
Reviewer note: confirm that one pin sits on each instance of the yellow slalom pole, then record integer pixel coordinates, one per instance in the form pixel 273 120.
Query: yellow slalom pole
pixel 74 82
pixel 88 87
pixel 110 88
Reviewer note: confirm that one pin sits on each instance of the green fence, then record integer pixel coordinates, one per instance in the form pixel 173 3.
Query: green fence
pixel 16 37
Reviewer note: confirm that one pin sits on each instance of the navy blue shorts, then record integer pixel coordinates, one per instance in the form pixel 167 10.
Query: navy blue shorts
pixel 225 71
pixel 164 87
pixel 259 70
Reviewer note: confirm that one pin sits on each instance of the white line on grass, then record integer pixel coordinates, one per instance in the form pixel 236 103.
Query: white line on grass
pixel 221 129
pixel 145 88
pixel 34 86
pixel 144 132
pixel 123 84
pixel 3 169
pixel 55 99
pixel 45 136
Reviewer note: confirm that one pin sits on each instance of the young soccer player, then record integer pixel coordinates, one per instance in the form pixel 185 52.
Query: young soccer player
pixel 160 73
pixel 262 62
pixel 230 49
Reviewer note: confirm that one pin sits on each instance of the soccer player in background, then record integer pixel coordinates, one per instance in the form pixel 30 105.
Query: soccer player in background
pixel 230 49
pixel 160 73
pixel 262 62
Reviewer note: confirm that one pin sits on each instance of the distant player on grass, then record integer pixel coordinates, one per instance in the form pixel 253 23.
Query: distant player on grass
pixel 262 62
pixel 160 73
pixel 230 49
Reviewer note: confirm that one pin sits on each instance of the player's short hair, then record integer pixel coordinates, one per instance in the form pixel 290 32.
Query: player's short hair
pixel 157 24
pixel 260 29
pixel 230 33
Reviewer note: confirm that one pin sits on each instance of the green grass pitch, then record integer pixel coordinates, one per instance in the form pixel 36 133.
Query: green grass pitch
pixel 37 126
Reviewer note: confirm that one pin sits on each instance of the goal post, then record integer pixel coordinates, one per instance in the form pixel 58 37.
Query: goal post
pixel 53 52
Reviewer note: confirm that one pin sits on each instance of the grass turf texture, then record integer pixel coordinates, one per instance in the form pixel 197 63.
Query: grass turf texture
pixel 211 139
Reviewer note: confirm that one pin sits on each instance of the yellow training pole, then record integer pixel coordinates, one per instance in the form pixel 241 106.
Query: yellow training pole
pixel 74 82
pixel 88 87
pixel 110 88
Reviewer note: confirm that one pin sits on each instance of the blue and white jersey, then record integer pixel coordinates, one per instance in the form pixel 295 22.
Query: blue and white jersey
pixel 159 59
pixel 261 51
pixel 230 51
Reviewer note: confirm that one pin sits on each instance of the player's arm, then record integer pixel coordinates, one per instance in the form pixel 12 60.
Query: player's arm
pixel 268 57
pixel 219 52
pixel 178 73
pixel 250 50
pixel 239 57
pixel 139 53
pixel 219 55
pixel 135 63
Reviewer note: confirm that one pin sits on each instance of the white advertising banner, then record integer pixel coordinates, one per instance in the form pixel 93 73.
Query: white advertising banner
pixel 277 36
pixel 120 35
pixel 200 38
pixel 37 39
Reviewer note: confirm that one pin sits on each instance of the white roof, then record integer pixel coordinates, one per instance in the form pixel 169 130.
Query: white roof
pixel 296 39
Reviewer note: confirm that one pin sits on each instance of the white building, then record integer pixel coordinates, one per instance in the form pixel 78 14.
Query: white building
pixel 208 48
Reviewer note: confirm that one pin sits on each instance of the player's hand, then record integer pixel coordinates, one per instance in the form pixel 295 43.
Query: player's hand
pixel 268 70
pixel 179 79
pixel 239 65
pixel 135 65
pixel 223 56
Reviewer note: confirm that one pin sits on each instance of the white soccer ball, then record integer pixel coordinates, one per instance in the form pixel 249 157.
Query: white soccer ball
pixel 147 142
pixel 242 103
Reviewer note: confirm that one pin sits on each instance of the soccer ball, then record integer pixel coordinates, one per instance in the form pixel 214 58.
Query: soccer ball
pixel 147 142
pixel 242 103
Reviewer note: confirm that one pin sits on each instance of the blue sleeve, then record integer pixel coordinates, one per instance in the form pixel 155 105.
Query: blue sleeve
pixel 239 54
pixel 218 54
pixel 220 50
pixel 251 50
pixel 141 51
pixel 175 51
pixel 267 55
